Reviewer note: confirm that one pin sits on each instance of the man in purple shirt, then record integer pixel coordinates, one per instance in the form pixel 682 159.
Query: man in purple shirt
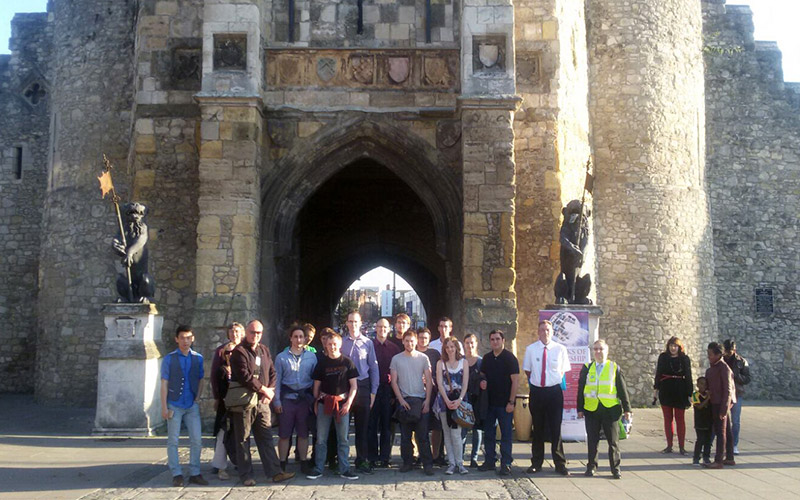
pixel 723 394
pixel 380 450
pixel 362 352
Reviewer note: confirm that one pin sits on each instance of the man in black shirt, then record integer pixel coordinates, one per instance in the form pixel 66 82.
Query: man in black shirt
pixel 501 370
pixel 335 385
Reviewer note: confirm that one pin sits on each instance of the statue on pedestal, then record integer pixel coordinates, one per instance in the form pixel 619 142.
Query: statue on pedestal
pixel 570 287
pixel 136 285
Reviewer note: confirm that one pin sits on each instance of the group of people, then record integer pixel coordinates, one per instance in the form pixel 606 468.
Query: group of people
pixel 716 401
pixel 400 381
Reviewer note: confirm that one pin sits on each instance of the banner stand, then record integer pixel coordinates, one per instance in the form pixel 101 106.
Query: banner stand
pixel 576 327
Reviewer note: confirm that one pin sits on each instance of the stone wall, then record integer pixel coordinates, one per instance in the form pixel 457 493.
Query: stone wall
pixel 91 104
pixel 551 144
pixel 753 122
pixel 24 122
pixel 164 153
pixel 383 23
pixel 653 227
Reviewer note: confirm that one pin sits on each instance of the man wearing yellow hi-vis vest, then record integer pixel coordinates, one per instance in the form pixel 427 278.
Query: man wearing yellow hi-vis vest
pixel 602 398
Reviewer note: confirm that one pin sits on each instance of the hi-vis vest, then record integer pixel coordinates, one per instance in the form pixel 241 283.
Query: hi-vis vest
pixel 602 388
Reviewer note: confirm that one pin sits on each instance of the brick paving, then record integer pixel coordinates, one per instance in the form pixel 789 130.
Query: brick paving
pixel 47 453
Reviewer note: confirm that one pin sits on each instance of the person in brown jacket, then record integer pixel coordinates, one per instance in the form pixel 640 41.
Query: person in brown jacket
pixel 251 366
pixel 723 394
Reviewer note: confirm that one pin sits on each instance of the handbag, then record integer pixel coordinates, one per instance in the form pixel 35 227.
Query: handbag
pixel 464 415
pixel 412 415
pixel 239 398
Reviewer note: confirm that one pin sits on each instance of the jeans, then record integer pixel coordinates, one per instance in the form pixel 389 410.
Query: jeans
pixel 380 419
pixel 736 415
pixel 497 414
pixel 452 443
pixel 420 431
pixel 191 417
pixel 702 445
pixel 477 439
pixel 323 429
pixel 722 429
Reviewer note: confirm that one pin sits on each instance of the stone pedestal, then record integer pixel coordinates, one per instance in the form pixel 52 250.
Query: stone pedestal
pixel 128 382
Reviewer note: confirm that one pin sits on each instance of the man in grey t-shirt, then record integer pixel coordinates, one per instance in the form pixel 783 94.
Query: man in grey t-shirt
pixel 412 385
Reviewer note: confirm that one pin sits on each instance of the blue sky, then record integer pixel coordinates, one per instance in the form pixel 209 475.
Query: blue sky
pixel 774 20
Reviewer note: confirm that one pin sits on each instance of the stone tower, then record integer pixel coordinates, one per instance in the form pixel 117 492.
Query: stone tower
pixel 91 105
pixel 653 228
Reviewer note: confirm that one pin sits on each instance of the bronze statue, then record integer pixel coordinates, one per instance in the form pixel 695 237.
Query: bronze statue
pixel 570 287
pixel 136 285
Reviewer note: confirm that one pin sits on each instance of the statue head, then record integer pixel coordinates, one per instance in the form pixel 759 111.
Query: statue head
pixel 135 211
pixel 572 210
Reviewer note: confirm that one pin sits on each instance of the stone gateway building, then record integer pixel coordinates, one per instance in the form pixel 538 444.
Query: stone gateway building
pixel 284 147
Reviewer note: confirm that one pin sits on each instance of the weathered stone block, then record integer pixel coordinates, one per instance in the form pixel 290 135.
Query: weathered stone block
pixel 211 149
pixel 503 278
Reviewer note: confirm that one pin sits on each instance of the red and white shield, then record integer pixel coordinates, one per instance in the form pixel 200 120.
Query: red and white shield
pixel 399 68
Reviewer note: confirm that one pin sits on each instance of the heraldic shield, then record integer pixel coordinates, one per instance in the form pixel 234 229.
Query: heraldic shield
pixel 399 69
pixel 488 54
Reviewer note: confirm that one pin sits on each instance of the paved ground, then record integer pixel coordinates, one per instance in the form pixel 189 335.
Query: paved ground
pixel 46 452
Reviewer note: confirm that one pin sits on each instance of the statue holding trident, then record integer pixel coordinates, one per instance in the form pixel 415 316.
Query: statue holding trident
pixel 135 285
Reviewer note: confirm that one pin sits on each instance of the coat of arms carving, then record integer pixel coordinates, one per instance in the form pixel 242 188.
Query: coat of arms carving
pixel 399 69
pixel 326 68
pixel 488 54
pixel 437 71
pixel 362 69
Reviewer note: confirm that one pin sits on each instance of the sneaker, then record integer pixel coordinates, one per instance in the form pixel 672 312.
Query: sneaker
pixel 198 479
pixel 223 475
pixel 696 463
pixel 451 469
pixel 735 450
pixel 590 472
pixel 282 476
pixel 505 470
pixel 473 464
pixel 364 468
pixel 348 475
pixel 314 474
pixel 177 481
pixel 249 482
pixel 463 470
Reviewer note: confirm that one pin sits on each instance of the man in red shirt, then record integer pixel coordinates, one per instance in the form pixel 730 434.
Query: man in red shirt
pixel 723 394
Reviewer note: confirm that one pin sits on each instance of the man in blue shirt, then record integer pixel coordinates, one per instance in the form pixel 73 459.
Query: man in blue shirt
pixel 293 395
pixel 361 351
pixel 181 386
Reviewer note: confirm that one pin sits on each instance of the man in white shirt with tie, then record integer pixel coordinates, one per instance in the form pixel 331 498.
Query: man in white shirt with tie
pixel 545 364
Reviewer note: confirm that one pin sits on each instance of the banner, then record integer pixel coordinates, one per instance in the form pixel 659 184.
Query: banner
pixel 571 329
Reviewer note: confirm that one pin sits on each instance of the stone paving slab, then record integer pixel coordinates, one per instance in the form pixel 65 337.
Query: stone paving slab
pixel 54 458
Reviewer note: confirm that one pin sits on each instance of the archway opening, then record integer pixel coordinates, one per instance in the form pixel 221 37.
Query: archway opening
pixel 381 293
pixel 362 217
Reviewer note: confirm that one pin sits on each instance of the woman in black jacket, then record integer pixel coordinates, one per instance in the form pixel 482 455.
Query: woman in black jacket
pixel 673 387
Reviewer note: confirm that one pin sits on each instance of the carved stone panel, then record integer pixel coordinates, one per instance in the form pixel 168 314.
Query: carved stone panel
pixel 230 52
pixel 488 53
pixel 378 69
pixel 362 68
pixel 186 68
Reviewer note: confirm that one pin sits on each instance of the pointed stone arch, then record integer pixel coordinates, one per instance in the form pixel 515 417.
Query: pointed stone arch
pixel 299 174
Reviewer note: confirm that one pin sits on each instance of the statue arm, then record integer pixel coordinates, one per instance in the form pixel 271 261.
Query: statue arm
pixel 135 248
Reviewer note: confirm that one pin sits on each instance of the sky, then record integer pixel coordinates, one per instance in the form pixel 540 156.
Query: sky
pixel 380 277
